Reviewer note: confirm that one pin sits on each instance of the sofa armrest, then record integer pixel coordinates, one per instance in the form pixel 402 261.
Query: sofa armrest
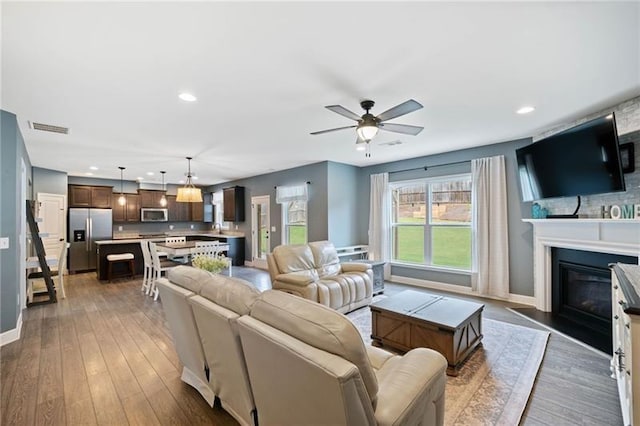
pixel 355 267
pixel 301 278
pixel 411 389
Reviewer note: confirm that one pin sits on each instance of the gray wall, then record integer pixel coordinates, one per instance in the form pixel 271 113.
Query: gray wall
pixel 49 181
pixel 344 215
pixel 520 234
pixel 628 123
pixel 317 218
pixel 12 152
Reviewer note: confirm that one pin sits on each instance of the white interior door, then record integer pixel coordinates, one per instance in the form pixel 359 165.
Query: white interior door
pixel 260 231
pixel 52 208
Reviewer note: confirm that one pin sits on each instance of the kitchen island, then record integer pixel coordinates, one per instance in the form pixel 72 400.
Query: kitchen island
pixel 132 245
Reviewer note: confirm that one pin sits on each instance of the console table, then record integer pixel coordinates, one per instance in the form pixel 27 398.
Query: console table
pixel 625 364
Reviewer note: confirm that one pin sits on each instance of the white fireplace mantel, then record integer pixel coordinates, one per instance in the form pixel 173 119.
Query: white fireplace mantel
pixel 599 235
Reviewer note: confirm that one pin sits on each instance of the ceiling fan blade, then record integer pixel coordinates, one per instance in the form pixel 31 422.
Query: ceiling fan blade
pixel 398 110
pixel 339 109
pixel 333 130
pixel 401 128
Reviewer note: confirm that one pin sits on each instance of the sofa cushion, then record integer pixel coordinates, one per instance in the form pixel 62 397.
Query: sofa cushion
pixel 232 293
pixel 326 259
pixel 188 277
pixel 318 326
pixel 293 258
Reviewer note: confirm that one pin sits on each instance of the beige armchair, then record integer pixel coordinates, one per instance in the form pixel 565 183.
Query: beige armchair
pixel 308 365
pixel 313 271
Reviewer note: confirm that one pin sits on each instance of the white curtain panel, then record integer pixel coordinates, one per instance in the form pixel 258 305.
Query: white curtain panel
pixel 379 220
pixel 491 236
pixel 287 194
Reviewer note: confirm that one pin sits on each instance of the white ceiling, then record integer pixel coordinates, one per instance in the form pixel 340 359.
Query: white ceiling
pixel 263 72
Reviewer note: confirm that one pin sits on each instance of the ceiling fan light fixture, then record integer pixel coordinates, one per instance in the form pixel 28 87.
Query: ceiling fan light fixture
pixel 189 193
pixel 367 131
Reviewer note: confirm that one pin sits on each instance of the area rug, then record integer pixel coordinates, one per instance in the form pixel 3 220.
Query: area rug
pixel 494 384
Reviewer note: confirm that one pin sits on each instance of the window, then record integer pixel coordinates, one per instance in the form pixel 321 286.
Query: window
pixel 294 224
pixel 431 222
pixel 218 210
pixel 294 213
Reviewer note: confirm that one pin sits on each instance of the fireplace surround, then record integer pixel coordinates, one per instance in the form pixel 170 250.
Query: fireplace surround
pixel 604 239
pixel 581 294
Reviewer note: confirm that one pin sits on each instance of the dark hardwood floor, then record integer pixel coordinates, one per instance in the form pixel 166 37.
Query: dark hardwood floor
pixel 104 355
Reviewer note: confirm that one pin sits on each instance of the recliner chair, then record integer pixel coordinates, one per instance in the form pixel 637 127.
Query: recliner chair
pixel 308 365
pixel 313 271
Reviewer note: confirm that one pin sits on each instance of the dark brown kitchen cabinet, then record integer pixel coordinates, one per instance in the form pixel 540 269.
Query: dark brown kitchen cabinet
pixel 130 211
pixel 178 212
pixel 90 196
pixel 150 199
pixel 233 200
pixel 197 212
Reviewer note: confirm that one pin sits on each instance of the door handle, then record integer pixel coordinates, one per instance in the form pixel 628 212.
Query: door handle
pixel 61 239
pixel 87 234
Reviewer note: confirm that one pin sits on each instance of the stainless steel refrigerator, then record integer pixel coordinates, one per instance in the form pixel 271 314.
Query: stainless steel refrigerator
pixel 86 226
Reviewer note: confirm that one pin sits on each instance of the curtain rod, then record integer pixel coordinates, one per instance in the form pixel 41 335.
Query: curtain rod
pixel 428 167
pixel 307 182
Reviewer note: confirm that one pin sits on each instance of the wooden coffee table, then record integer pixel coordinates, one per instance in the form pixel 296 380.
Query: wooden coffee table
pixel 413 319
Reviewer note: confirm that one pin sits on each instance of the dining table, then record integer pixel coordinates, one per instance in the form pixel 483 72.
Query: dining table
pixel 187 248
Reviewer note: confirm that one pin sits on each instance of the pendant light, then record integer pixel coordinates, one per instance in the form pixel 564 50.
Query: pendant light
pixel 189 193
pixel 121 199
pixel 163 200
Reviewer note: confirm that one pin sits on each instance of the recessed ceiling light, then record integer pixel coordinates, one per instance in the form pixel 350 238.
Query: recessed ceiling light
pixel 187 97
pixel 526 110
pixel 194 177
pixel 93 168
pixel 609 117
pixel 140 178
pixel 360 147
pixel 182 181
pixel 89 174
pixel 149 173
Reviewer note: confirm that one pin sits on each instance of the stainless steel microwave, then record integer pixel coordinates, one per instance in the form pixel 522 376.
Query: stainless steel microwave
pixel 154 215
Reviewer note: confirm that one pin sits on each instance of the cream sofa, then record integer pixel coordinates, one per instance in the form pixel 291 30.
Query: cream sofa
pixel 202 310
pixel 313 271
pixel 308 365
pixel 277 359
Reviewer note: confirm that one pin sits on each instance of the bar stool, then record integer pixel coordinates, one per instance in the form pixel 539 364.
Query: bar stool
pixel 120 257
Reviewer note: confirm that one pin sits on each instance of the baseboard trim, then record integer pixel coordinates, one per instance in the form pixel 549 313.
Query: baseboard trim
pixel 514 298
pixel 12 335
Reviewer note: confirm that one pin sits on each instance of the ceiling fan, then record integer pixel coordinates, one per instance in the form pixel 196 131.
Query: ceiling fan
pixel 368 125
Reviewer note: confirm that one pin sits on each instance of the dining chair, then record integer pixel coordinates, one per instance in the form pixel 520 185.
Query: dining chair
pixel 175 240
pixel 58 271
pixel 211 249
pixel 148 266
pixel 206 248
pixel 159 266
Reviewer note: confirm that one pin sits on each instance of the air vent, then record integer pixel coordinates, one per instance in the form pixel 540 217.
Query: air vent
pixel 392 143
pixel 49 128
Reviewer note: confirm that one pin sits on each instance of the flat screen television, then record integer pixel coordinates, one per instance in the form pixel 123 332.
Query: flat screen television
pixel 582 160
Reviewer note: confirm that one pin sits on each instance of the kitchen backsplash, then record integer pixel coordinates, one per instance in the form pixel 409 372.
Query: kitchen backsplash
pixel 131 230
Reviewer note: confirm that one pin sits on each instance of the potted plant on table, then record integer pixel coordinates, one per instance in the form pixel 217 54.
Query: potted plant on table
pixel 212 264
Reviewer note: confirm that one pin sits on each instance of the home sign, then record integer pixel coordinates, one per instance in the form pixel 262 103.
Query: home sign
pixel 625 211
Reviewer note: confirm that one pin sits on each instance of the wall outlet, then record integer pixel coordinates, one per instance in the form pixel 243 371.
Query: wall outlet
pixel 273 229
pixel 191 226
pixel 171 227
pixel 4 243
pixel 120 228
pixel 236 227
